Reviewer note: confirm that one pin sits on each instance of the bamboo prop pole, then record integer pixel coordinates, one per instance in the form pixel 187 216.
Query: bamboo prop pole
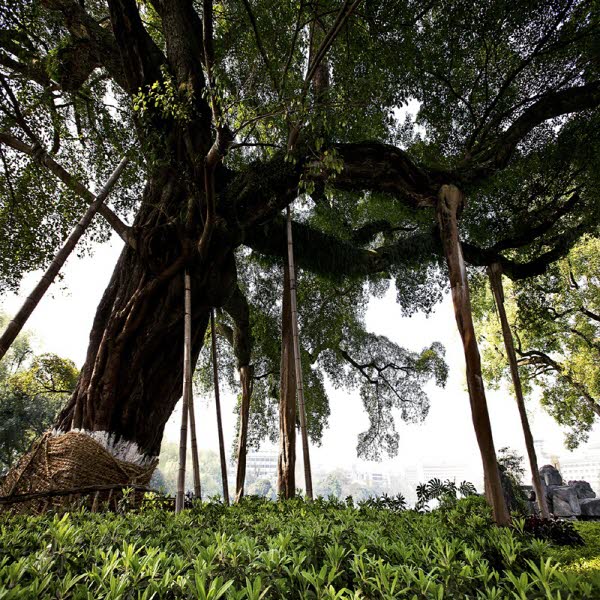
pixel 187 376
pixel 450 199
pixel 286 463
pixel 192 416
pixel 247 385
pixel 194 441
pixel 495 275
pixel 298 360
pixel 218 406
pixel 19 320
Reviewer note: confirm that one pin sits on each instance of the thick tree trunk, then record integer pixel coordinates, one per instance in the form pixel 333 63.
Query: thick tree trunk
pixel 450 200
pixel 218 408
pixel 495 275
pixel 286 466
pixel 297 360
pixel 131 379
pixel 246 383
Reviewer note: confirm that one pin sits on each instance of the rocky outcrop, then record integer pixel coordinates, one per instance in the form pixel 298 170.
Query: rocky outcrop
pixel 550 475
pixel 590 507
pixel 583 488
pixel 576 499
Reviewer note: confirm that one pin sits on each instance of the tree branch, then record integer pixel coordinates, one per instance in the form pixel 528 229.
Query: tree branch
pixel 71 182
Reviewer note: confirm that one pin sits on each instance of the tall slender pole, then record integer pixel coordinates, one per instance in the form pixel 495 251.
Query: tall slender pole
pixel 19 320
pixel 298 360
pixel 187 377
pixel 247 385
pixel 218 405
pixel 195 459
pixel 450 199
pixel 495 275
pixel 286 463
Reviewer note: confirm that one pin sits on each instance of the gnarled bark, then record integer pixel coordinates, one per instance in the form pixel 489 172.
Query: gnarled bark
pixel 131 379
pixel 450 199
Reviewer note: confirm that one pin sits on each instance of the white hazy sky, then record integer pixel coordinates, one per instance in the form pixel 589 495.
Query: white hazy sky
pixel 63 320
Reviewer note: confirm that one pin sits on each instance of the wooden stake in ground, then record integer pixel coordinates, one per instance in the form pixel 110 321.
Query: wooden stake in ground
pixel 297 359
pixel 450 199
pixel 218 405
pixel 495 275
pixel 18 322
pixel 187 378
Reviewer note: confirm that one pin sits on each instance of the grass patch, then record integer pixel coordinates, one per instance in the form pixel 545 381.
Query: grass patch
pixel 262 550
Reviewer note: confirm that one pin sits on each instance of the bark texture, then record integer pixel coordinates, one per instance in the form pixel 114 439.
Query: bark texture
pixel 495 275
pixel 450 200
pixel 131 379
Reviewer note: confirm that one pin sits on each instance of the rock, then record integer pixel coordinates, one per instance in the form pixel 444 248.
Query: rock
pixel 550 475
pixel 590 507
pixel 564 501
pixel 583 489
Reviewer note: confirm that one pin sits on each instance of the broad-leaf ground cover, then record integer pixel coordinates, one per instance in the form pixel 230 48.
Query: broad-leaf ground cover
pixel 292 549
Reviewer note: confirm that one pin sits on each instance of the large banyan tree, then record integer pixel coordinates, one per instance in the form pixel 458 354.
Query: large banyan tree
pixel 231 111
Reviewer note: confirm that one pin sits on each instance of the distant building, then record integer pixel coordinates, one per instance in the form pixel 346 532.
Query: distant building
pixel 262 464
pixel 583 463
pixel 444 471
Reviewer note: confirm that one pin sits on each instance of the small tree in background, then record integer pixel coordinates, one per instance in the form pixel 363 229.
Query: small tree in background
pixel 33 389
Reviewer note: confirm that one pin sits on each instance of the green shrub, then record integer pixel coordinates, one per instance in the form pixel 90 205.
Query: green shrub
pixel 292 549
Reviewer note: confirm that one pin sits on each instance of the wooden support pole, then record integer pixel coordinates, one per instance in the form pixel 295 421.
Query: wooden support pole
pixel 246 383
pixel 450 199
pixel 19 320
pixel 495 275
pixel 298 360
pixel 218 406
pixel 187 376
pixel 192 416
pixel 286 464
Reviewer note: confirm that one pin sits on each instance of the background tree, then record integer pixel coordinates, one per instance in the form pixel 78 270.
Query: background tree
pixel 557 330
pixel 33 389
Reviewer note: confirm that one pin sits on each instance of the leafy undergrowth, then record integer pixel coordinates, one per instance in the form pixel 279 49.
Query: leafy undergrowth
pixel 292 549
pixel 585 560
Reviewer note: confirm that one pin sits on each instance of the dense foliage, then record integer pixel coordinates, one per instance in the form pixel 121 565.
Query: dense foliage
pixel 33 388
pixel 291 549
pixel 555 318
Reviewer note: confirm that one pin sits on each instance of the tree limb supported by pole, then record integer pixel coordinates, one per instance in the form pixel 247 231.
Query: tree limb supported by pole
pixel 298 360
pixel 495 275
pixel 18 322
pixel 40 155
pixel 450 199
pixel 218 406
pixel 187 378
